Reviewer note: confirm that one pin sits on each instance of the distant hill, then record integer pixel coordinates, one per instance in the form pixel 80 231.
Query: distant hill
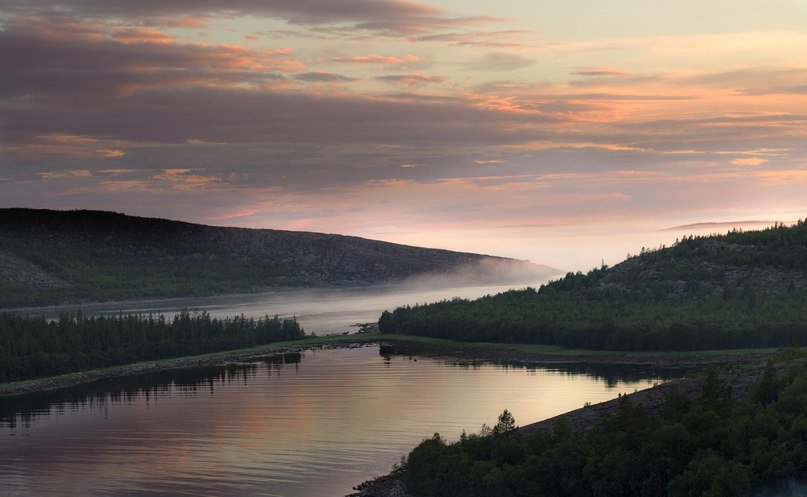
pixel 54 257
pixel 742 289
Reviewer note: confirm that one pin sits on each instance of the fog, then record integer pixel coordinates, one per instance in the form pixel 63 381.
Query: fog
pixel 486 272
pixel 324 311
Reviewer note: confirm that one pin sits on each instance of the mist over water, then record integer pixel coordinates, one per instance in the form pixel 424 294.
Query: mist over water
pixel 324 311
pixel 306 425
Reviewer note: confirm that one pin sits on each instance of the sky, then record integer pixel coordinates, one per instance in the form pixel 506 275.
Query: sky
pixel 568 133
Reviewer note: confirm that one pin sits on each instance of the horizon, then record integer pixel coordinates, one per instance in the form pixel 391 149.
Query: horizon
pixel 564 134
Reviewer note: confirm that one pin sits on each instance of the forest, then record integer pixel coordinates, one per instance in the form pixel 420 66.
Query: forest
pixel 33 347
pixel 712 446
pixel 739 290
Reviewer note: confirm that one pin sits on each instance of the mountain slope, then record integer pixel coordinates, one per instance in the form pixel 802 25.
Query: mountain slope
pixel 736 290
pixel 51 257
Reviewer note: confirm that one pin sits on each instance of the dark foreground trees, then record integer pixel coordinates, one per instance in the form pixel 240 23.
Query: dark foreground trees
pixel 35 347
pixel 714 446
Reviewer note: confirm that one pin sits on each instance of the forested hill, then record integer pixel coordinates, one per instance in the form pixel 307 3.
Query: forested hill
pixel 742 289
pixel 54 257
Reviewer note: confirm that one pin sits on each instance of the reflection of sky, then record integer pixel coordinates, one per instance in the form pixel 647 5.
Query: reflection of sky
pixel 562 132
pixel 310 429
pixel 320 311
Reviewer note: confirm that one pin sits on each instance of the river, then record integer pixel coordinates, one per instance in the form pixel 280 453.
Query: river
pixel 302 425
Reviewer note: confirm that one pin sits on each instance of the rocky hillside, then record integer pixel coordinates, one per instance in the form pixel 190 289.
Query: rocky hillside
pixel 51 257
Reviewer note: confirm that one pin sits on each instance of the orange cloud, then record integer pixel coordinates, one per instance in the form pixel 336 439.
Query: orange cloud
pixel 749 161
pixel 75 146
pixel 185 179
pixel 141 35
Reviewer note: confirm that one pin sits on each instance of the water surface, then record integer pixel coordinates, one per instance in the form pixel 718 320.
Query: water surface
pixel 304 425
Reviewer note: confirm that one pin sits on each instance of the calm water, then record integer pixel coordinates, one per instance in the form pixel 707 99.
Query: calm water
pixel 306 425
pixel 323 311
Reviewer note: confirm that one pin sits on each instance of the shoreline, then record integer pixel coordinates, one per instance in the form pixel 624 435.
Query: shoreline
pixel 538 355
pixel 741 381
pixel 50 383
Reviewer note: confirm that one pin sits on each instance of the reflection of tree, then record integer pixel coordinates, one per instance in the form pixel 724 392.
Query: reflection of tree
pixel 24 409
pixel 612 374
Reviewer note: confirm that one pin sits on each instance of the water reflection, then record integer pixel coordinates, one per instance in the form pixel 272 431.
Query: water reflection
pixel 611 374
pixel 303 425
pixel 96 396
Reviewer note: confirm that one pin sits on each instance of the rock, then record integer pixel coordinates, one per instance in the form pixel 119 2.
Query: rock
pixel 383 486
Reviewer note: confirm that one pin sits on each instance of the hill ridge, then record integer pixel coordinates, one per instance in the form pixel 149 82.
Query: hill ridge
pixel 91 255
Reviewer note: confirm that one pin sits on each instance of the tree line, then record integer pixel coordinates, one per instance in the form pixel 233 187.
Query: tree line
pixel 32 347
pixel 738 290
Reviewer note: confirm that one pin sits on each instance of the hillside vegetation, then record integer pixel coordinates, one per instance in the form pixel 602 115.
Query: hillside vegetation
pixel 54 257
pixel 742 289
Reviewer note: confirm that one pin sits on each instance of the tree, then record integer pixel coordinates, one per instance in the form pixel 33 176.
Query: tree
pixel 505 424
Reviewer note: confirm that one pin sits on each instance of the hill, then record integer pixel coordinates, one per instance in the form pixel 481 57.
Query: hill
pixel 53 257
pixel 742 289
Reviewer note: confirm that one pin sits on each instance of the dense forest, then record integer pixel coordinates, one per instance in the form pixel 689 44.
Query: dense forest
pixel 52 257
pixel 712 446
pixel 35 347
pixel 743 289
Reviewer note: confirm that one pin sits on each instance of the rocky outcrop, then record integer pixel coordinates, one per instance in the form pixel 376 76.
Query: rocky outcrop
pixel 383 486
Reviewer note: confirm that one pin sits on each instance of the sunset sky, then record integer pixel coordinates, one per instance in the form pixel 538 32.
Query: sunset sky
pixel 562 132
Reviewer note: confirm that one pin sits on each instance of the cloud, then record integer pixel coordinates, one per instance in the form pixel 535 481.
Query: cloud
pixel 231 115
pixel 186 179
pixel 391 17
pixel 377 59
pixel 323 77
pixel 61 175
pixel 411 79
pixel 71 146
pixel 500 61
pixel 65 59
pixel 511 39
pixel 598 71
pixel 749 161
pixel 775 90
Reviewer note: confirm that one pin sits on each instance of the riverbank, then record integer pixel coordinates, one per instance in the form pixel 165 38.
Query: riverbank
pixel 403 345
pixel 551 354
pixel 215 358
